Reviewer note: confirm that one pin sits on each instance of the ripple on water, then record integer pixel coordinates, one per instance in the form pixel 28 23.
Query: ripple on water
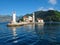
pixel 47 34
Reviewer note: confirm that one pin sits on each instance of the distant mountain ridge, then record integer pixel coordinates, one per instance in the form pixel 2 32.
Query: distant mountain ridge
pixel 6 18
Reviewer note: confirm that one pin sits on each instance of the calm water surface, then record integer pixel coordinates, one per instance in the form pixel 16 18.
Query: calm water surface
pixel 36 34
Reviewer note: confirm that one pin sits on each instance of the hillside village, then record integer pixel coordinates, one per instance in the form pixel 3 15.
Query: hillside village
pixel 26 20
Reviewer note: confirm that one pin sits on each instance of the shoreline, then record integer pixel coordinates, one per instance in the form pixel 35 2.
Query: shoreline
pixel 23 23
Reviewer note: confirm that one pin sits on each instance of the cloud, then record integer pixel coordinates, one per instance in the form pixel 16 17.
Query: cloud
pixel 45 9
pixel 53 2
pixel 51 8
pixel 42 9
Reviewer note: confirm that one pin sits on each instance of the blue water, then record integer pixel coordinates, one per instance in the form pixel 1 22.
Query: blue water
pixel 36 34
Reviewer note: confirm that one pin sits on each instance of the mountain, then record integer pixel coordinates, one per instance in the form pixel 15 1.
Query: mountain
pixel 50 15
pixel 6 18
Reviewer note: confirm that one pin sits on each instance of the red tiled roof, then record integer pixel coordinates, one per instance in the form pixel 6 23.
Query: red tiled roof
pixel 25 16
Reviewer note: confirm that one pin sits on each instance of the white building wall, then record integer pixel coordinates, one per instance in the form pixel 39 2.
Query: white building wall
pixel 40 21
pixel 30 18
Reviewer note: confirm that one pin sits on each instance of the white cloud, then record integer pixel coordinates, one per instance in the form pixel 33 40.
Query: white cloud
pixel 45 9
pixel 51 8
pixel 53 2
pixel 42 8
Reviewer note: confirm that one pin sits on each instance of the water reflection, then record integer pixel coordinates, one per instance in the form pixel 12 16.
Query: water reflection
pixel 14 31
pixel 14 34
pixel 40 27
pixel 39 30
pixel 30 27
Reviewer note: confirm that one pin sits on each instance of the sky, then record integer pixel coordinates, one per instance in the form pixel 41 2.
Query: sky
pixel 22 7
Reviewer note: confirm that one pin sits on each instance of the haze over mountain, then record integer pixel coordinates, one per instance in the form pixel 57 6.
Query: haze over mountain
pixel 6 18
